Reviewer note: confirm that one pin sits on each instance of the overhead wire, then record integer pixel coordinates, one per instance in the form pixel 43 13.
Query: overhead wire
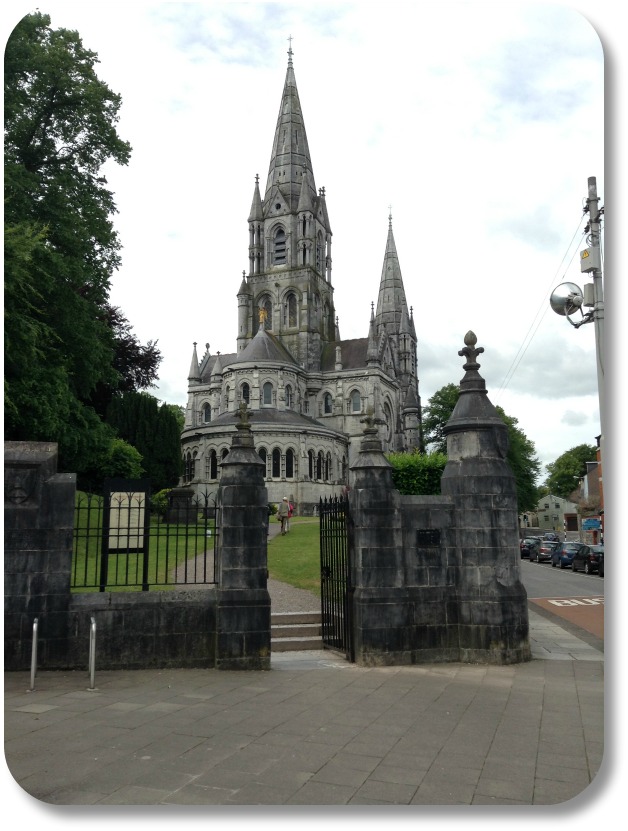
pixel 542 310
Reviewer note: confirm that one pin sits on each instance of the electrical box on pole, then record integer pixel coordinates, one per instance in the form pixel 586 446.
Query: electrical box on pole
pixel 590 260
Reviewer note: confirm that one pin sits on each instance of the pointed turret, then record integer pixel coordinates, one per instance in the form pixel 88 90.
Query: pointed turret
pixel 256 214
pixel 372 351
pixel 194 374
pixel 392 296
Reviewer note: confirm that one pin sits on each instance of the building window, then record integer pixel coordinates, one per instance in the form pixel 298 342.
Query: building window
pixel 291 309
pixel 206 414
pixel 279 247
pixel 276 463
pixel 289 397
pixel 388 418
pixel 328 404
pixel 355 401
pixel 267 394
pixel 262 455
pixel 310 459
pixel 319 252
pixel 246 393
pixel 190 466
pixel 289 463
pixel 320 461
pixel 328 468
pixel 211 466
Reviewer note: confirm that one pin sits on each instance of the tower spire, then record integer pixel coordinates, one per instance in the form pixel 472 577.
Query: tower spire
pixel 391 301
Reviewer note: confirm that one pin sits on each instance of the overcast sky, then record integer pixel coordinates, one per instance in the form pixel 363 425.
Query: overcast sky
pixel 476 124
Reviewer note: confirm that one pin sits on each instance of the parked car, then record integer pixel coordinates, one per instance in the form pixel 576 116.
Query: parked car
pixel 529 546
pixel 551 535
pixel 587 561
pixel 564 553
pixel 544 554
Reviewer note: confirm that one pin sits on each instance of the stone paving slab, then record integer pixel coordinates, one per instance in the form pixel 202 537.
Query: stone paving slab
pixel 315 730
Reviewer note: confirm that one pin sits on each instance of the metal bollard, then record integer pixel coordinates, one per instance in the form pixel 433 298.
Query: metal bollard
pixel 92 654
pixel 34 655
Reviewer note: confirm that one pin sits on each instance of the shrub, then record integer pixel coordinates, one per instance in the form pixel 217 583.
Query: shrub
pixel 417 474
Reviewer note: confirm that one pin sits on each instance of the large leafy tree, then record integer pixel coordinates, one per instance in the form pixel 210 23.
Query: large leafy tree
pixel 66 349
pixel 565 473
pixel 521 451
pixel 154 430
pixel 436 415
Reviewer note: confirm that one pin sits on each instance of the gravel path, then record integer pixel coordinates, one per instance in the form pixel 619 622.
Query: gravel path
pixel 283 597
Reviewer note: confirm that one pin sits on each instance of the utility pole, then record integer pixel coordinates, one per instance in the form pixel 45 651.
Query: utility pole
pixel 567 299
pixel 591 262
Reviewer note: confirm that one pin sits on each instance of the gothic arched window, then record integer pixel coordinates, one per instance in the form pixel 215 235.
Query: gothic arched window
pixel 289 397
pixel 276 463
pixel 328 404
pixel 355 401
pixel 291 305
pixel 320 461
pixel 206 414
pixel 289 463
pixel 279 247
pixel 267 394
pixel 246 393
pixel 310 458
pixel 262 455
pixel 319 252
pixel 212 465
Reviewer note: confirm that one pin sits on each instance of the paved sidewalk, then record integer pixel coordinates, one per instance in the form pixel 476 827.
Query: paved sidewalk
pixel 315 730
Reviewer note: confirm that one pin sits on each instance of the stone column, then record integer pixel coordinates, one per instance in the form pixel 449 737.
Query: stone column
pixel 38 529
pixel 491 600
pixel 243 613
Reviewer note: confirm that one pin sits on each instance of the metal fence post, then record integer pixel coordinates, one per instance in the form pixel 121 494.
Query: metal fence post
pixel 92 654
pixel 34 655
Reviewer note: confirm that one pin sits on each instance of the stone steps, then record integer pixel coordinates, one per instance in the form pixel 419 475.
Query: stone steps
pixel 295 631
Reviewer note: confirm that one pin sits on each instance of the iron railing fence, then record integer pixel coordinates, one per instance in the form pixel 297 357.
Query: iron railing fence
pixel 121 544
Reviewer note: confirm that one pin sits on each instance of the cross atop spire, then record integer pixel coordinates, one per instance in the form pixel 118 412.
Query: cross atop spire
pixel 390 216
pixel 290 53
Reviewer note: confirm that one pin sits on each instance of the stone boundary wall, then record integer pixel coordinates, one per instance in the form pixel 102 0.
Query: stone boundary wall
pixel 225 626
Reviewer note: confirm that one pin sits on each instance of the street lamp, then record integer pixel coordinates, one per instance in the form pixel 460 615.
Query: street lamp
pixel 567 299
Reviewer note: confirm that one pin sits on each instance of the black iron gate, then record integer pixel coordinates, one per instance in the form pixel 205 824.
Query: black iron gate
pixel 336 586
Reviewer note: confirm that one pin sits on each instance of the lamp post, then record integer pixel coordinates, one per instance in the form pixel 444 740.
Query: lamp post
pixel 567 298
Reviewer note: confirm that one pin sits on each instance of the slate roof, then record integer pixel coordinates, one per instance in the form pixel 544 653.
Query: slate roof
pixel 353 354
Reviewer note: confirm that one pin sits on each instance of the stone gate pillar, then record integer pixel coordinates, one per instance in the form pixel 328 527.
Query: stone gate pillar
pixel 243 613
pixel 492 602
pixel 382 621
pixel 38 527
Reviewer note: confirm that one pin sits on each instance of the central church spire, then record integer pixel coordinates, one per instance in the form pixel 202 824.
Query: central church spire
pixel 290 153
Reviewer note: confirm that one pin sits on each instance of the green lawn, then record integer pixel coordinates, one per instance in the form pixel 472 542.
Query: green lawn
pixel 295 557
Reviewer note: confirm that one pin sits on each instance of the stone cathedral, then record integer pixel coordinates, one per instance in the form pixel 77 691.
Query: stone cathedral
pixel 306 390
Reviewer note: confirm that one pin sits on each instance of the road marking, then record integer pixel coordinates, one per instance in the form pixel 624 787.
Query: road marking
pixel 582 601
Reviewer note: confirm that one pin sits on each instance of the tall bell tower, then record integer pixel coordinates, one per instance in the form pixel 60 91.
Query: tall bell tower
pixel 289 245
